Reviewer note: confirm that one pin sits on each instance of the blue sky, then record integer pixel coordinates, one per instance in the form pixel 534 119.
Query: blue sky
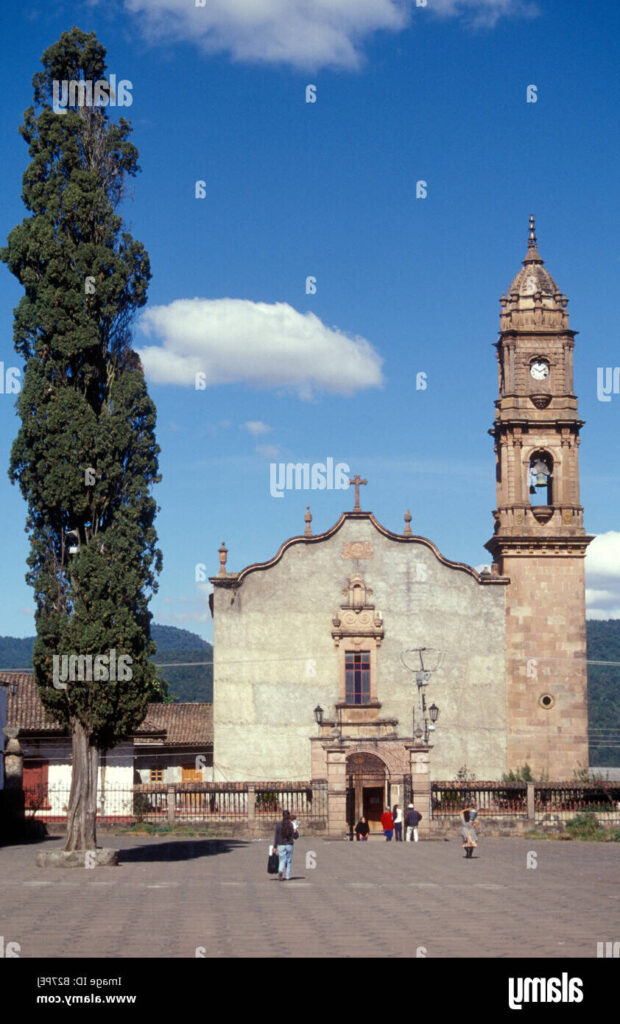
pixel 404 285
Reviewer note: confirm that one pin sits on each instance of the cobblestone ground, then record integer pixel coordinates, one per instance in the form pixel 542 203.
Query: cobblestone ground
pixel 169 898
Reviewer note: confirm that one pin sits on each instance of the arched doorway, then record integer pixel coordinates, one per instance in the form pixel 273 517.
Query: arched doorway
pixel 368 789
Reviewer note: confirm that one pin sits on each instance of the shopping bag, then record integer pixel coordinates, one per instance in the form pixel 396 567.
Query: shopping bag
pixel 273 862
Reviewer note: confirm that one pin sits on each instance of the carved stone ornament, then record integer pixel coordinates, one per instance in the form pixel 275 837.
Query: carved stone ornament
pixel 357 617
pixel 357 549
pixel 540 401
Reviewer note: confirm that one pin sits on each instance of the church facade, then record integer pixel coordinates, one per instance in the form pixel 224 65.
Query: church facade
pixel 328 656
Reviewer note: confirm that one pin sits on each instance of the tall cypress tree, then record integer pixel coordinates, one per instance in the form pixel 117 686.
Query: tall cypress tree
pixel 85 455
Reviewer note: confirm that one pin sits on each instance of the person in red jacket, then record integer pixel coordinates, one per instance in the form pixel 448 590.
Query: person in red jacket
pixel 387 824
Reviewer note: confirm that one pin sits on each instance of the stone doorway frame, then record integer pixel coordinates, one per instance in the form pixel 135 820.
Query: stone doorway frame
pixel 370 772
pixel 340 749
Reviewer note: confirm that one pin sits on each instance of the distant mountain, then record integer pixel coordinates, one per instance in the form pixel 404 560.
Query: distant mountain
pixel 192 683
pixel 604 692
pixel 185 683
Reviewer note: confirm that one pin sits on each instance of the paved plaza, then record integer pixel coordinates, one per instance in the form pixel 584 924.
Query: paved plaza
pixel 172 897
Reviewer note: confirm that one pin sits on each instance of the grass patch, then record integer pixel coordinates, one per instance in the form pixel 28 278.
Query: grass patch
pixel 585 826
pixel 147 829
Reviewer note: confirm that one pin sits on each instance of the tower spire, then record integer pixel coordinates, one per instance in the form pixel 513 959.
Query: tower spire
pixel 532 255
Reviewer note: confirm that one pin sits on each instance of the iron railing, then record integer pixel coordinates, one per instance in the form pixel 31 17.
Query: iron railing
pixel 491 798
pixel 188 801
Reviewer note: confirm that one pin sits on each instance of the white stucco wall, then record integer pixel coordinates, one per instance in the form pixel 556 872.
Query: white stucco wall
pixel 275 659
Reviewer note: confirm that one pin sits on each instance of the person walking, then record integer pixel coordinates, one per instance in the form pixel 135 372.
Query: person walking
pixel 468 831
pixel 397 815
pixel 412 820
pixel 362 829
pixel 283 841
pixel 387 824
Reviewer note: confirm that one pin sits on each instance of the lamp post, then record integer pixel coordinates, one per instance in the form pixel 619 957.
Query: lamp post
pixel 426 716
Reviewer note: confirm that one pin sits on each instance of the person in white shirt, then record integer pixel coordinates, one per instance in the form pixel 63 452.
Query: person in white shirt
pixel 397 814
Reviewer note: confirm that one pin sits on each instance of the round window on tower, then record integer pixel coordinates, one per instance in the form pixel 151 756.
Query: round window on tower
pixel 546 701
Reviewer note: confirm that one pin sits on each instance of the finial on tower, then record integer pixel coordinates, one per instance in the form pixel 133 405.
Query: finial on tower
pixel 408 523
pixel 532 255
pixel 223 552
pixel 308 520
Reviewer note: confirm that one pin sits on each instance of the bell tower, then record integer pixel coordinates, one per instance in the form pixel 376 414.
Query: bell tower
pixel 539 539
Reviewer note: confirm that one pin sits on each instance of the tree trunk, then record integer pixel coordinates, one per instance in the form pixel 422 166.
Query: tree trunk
pixel 82 809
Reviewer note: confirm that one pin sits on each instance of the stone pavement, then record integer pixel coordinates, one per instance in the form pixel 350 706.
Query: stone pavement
pixel 172 897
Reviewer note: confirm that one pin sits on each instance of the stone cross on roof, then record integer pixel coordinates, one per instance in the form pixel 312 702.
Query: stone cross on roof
pixel 357 481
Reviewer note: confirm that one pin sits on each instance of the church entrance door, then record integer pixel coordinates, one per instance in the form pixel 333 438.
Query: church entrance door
pixel 373 801
pixel 367 789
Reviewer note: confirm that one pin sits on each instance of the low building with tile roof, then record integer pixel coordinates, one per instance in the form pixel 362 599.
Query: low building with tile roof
pixel 174 743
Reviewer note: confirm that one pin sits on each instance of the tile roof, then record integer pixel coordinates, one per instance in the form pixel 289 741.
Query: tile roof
pixel 184 724
pixel 176 724
pixel 24 708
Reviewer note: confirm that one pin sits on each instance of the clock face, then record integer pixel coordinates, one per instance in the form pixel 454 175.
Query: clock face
pixel 540 369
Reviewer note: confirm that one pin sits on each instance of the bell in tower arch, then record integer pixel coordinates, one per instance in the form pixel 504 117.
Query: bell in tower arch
pixel 540 476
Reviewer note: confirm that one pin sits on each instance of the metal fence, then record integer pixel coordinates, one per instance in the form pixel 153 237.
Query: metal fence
pixel 510 799
pixel 188 801
pixel 491 798
pixel 568 798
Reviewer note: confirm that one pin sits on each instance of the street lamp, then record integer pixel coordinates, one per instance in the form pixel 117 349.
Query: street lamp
pixel 427 656
pixel 318 714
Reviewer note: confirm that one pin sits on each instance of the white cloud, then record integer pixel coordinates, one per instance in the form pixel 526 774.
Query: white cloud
pixel 269 451
pixel 257 427
pixel 603 576
pixel 235 341
pixel 484 13
pixel 307 34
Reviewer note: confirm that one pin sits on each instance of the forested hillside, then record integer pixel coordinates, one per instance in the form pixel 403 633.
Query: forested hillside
pixel 173 645
pixel 604 692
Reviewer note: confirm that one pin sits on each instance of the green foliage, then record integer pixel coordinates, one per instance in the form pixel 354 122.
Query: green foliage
pixel 604 689
pixel 464 774
pixel 187 682
pixel 585 826
pixel 521 774
pixel 84 404
pixel 267 800
pixel 141 806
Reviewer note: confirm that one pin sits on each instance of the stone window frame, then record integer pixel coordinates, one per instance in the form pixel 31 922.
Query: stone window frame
pixel 357 645
pixel 363 702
